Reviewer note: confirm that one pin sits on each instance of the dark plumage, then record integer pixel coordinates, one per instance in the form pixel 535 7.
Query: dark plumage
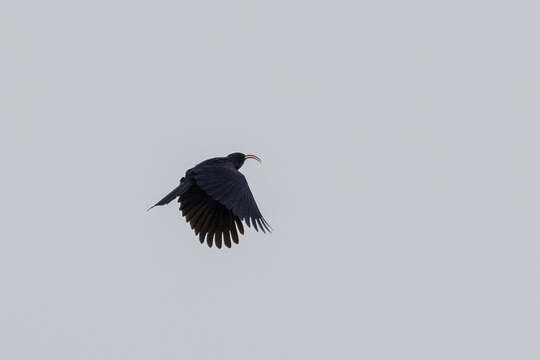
pixel 215 198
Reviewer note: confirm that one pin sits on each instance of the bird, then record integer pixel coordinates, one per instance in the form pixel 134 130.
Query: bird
pixel 215 199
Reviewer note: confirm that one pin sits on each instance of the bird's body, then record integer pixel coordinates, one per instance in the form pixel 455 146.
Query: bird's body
pixel 215 198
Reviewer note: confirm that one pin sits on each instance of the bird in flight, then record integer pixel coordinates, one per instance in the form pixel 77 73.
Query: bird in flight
pixel 215 198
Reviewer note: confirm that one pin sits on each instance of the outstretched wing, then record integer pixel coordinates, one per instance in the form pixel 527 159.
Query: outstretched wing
pixel 229 187
pixel 209 218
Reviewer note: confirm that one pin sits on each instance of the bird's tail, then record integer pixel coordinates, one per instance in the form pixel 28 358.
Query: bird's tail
pixel 179 190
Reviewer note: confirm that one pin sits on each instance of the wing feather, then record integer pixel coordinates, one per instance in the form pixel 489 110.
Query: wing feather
pixel 227 230
pixel 219 228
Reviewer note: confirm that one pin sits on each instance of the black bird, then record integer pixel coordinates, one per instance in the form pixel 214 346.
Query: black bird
pixel 215 198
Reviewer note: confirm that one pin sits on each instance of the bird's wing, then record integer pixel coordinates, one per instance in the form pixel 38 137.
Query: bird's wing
pixel 229 187
pixel 209 218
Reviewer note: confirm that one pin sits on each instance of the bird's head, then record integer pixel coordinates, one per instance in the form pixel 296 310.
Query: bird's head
pixel 239 158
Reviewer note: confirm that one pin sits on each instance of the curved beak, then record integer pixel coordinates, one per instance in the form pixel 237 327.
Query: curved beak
pixel 251 156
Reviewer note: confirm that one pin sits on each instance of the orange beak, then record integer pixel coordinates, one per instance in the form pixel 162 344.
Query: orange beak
pixel 250 156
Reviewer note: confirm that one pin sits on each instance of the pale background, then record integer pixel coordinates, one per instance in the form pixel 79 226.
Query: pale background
pixel 400 173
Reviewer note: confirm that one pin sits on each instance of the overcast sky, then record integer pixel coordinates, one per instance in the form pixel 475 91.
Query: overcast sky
pixel 400 174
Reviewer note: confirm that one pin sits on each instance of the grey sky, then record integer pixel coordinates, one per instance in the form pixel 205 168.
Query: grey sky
pixel 400 173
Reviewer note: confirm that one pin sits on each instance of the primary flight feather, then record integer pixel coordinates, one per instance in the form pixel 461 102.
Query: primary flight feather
pixel 215 198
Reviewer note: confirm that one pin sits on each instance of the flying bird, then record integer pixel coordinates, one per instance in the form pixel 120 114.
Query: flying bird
pixel 215 198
